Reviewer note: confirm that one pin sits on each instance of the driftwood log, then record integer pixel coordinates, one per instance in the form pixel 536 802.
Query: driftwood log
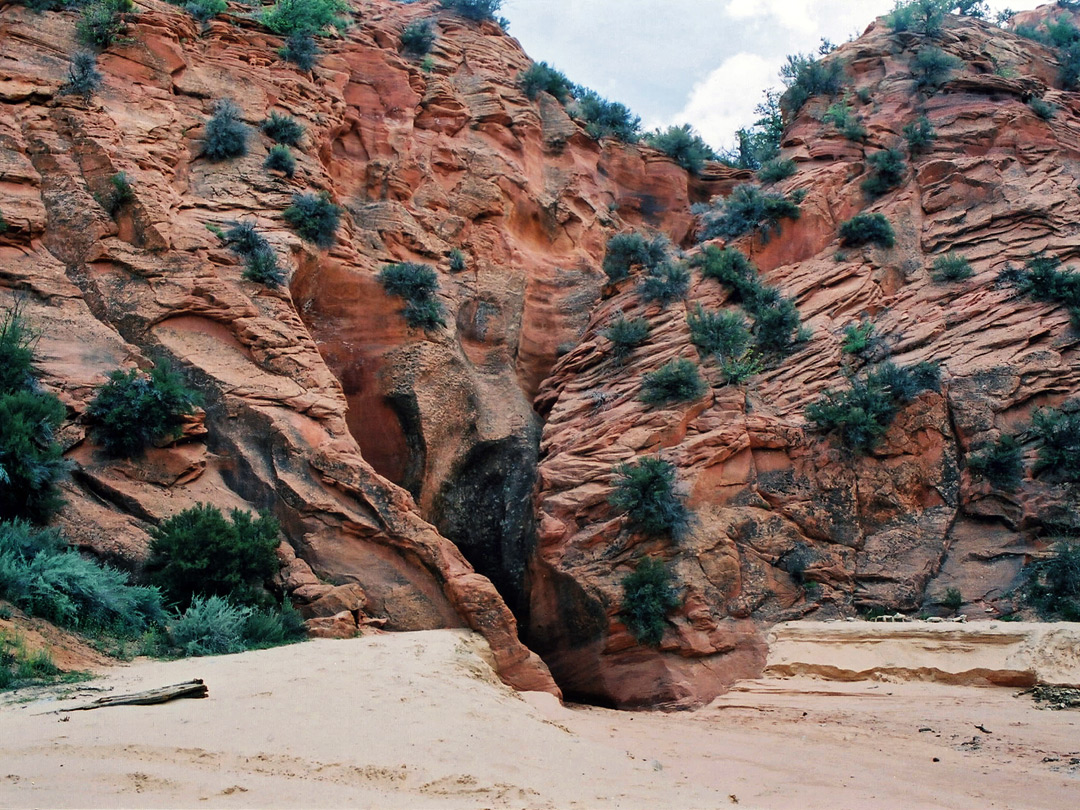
pixel 163 694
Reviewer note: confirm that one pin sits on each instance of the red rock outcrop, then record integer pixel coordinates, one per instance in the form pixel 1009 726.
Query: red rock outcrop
pixel 896 527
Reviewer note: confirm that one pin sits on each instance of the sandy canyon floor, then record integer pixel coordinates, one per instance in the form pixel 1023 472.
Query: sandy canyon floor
pixel 419 721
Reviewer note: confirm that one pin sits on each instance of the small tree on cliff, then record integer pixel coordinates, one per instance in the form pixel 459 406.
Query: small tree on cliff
pixel 645 491
pixel 648 596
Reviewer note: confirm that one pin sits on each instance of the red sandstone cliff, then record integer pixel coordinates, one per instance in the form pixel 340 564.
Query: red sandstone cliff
pixel 895 528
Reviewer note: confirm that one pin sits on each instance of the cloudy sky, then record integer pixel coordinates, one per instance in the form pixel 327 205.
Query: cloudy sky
pixel 705 62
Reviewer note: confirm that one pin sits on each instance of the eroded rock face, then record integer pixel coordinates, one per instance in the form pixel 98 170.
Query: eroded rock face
pixel 280 429
pixel 775 504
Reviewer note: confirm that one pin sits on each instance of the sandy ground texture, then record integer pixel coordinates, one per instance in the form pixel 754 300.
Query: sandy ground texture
pixel 419 721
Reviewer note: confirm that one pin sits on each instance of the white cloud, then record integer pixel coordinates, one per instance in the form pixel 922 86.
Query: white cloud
pixel 725 100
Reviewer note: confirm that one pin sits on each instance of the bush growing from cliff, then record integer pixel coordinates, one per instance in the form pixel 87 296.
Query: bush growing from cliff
pixel 922 16
pixel 260 261
pixel 477 10
pixel 540 77
pixel 931 67
pixel 606 119
pixel 1043 109
pixel 418 284
pixel 682 145
pixel 867 229
pixel 648 596
pixel 664 283
pixel 134 410
pixel 777 327
pixel 748 209
pixel 301 50
pixel 418 38
pixel 627 250
pixel 280 159
pixel 200 552
pixel 720 334
pixel 861 414
pixel 759 144
pixel 677 381
pixel 101 22
pixel 951 267
pixel 120 194
pixel 306 17
pixel 226 133
pixel 458 263
pixel 626 334
pixel 775 170
pixel 314 217
pixel 645 492
pixel 42 575
pixel 31 460
pixel 731 268
pixel 887 169
pixel 858 337
pixel 203 10
pixel 1042 279
pixel 846 120
pixel 999 462
pixel 919 135
pixel 806 76
pixel 283 129
pixel 84 79
pixel 1053 584
pixel 1058 433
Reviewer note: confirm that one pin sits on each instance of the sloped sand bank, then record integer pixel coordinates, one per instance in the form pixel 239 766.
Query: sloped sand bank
pixel 419 720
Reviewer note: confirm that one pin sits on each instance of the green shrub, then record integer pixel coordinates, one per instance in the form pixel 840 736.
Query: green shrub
pixel 314 217
pixel 17 339
pixel 473 9
pixel 210 626
pixel 540 77
pixel 280 159
pixel 723 334
pixel 101 22
pixel 846 120
pixel 1053 584
pixel 1059 435
pixel 458 262
pixel 951 267
pixel 858 338
pixel 746 210
pixel 120 195
pixel 261 266
pixel 777 327
pixel 682 145
pixel 31 460
pixel 677 381
pixel 737 370
pixel 272 628
pixel 922 16
pixel 887 170
pixel 999 462
pixel 931 68
pixel 84 79
pixel 664 283
pixel 244 239
pixel 626 334
pixel 418 37
pixel 203 10
pixel 775 170
pixel 42 575
pixel 197 552
pixel 953 599
pixel 1042 280
pixel 861 415
pixel 919 135
pixel 867 229
pixel 606 119
pixel 418 284
pixel 645 491
pixel 283 129
pixel 806 77
pixel 305 17
pixel 648 596
pixel 627 250
pixel 134 410
pixel 301 50
pixel 759 144
pixel 21 667
pixel 1044 109
pixel 226 133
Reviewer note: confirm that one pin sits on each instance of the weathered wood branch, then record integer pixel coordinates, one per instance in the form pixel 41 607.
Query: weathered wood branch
pixel 163 694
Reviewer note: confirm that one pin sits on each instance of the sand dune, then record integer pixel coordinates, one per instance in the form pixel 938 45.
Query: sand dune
pixel 419 721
